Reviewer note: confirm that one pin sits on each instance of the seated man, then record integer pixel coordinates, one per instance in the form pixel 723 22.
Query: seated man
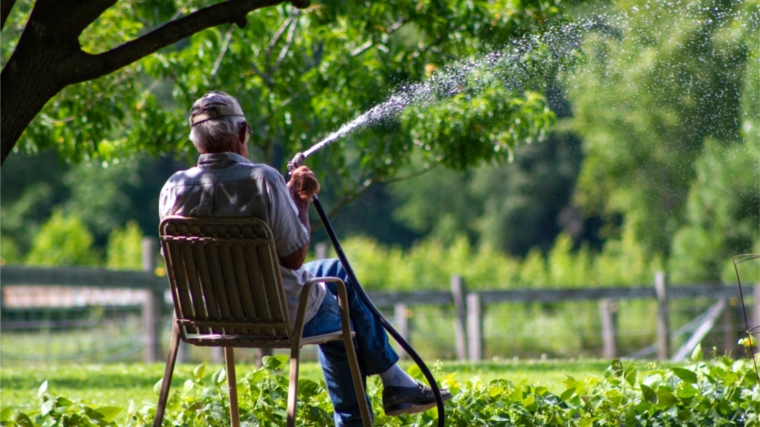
pixel 225 183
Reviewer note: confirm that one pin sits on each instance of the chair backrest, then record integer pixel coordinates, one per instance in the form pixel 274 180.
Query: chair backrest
pixel 225 281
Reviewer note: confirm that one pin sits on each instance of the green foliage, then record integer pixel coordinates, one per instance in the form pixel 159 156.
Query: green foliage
pixel 9 252
pixel 510 207
pixel 430 264
pixel 124 249
pixel 299 74
pixel 646 102
pixel 720 392
pixel 31 187
pixel 104 195
pixel 722 215
pixel 63 241
pixel 58 410
pixel 723 208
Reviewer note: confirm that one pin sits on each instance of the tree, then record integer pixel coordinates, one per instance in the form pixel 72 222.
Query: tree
pixel 646 102
pixel 300 73
pixel 48 55
pixel 723 207
pixel 511 207
pixel 103 196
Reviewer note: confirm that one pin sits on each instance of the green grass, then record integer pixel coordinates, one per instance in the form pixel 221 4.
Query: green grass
pixel 118 384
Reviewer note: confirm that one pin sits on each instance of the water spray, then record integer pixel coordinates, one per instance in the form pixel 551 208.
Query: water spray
pixel 508 66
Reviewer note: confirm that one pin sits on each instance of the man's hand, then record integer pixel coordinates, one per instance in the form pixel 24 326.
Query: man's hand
pixel 303 185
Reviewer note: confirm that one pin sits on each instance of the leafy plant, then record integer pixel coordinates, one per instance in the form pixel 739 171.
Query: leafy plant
pixel 60 411
pixel 715 393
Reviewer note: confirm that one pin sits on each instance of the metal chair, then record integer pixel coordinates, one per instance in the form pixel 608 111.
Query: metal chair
pixel 227 290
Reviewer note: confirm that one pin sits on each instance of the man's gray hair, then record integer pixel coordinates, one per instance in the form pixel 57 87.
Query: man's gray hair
pixel 216 135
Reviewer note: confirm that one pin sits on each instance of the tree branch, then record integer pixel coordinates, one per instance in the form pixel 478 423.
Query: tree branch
pixel 264 77
pixel 411 175
pixel 85 66
pixel 286 48
pixel 276 37
pixel 5 9
pixel 63 19
pixel 225 43
pixel 282 104
pixel 361 49
pixel 350 197
pixel 369 43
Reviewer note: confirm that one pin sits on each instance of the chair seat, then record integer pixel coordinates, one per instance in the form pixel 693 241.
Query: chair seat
pixel 319 339
pixel 246 341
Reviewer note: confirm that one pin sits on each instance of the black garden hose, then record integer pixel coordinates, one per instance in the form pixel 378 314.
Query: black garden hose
pixel 363 295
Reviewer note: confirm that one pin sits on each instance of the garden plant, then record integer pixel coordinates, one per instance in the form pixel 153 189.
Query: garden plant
pixel 719 392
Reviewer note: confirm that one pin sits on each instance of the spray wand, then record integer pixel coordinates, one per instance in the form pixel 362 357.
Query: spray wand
pixel 298 160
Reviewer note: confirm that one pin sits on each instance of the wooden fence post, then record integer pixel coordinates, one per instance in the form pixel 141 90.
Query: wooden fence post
pixel 663 316
pixel 321 250
pixel 474 327
pixel 608 312
pixel 459 294
pixel 402 325
pixel 153 308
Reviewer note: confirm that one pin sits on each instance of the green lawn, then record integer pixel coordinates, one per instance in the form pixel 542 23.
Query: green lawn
pixel 117 384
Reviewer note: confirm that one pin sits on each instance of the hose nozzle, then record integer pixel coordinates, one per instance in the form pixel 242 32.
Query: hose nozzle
pixel 298 160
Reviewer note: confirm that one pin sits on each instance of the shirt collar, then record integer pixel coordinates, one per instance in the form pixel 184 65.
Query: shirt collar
pixel 217 159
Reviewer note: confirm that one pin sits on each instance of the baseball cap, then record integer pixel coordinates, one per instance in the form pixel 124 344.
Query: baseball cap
pixel 213 105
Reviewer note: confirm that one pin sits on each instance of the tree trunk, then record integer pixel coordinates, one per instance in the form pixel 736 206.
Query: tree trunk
pixel 48 56
pixel 28 81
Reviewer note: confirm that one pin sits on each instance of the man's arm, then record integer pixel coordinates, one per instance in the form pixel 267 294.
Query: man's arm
pixel 303 187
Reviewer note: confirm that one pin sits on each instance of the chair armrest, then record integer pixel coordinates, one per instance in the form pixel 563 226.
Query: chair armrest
pixel 303 302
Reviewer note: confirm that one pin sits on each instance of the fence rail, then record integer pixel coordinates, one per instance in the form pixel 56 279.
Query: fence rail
pixel 470 306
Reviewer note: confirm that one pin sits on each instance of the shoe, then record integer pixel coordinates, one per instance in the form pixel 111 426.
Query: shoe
pixel 410 400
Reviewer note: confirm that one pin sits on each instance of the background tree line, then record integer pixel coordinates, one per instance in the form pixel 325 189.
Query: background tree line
pixel 639 151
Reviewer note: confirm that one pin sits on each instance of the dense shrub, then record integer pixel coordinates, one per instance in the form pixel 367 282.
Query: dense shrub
pixel 430 264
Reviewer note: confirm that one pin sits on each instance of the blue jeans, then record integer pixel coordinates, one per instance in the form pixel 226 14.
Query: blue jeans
pixel 371 342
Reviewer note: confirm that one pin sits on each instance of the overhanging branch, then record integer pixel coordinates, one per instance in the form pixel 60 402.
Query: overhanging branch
pixel 5 9
pixel 87 67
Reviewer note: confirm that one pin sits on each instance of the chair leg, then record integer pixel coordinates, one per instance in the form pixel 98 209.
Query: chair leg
pixel 167 380
pixel 295 355
pixel 356 374
pixel 353 362
pixel 229 359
